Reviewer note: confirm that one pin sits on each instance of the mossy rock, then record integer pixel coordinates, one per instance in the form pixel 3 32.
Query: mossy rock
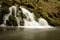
pixel 13 20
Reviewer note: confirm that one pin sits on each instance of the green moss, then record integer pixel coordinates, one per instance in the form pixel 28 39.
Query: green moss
pixel 12 20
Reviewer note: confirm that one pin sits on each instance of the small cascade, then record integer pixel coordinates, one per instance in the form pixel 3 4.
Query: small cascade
pixel 29 21
pixel 43 22
pixel 30 18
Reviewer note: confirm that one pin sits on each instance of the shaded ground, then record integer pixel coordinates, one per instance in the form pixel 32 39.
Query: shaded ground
pixel 31 34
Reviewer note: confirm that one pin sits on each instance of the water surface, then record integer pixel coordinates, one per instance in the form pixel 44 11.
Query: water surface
pixel 31 34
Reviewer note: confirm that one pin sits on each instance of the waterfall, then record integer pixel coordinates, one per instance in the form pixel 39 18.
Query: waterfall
pixel 30 18
pixel 29 22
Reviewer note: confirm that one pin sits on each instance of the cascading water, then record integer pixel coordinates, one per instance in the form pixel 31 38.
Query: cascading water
pixel 30 18
pixel 29 22
pixel 6 17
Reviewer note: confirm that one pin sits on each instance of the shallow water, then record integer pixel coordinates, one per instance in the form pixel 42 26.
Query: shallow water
pixel 31 34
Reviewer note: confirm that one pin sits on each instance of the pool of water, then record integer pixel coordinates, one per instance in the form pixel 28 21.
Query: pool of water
pixel 31 34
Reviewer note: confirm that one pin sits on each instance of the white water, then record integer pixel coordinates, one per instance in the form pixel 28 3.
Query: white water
pixel 32 23
pixel 29 22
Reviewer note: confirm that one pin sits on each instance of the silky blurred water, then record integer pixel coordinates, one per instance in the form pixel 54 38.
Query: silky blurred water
pixel 31 34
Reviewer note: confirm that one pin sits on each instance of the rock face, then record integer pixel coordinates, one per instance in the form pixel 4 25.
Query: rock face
pixel 41 8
